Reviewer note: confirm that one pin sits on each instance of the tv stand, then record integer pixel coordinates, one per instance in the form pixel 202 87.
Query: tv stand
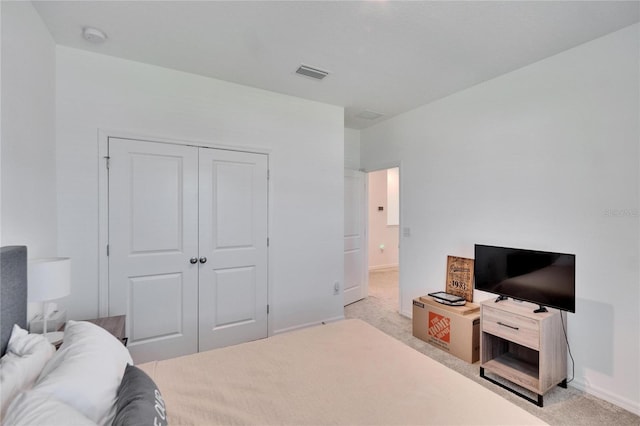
pixel 526 348
pixel 540 309
pixel 499 298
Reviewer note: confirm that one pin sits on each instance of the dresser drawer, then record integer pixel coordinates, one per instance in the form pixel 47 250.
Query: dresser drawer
pixel 516 328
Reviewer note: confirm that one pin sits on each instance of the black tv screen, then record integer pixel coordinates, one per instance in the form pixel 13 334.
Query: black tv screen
pixel 544 278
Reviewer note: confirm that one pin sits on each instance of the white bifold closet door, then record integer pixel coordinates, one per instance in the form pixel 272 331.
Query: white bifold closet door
pixel 187 246
pixel 233 238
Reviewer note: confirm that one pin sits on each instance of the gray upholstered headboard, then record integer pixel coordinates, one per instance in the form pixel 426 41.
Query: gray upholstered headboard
pixel 13 294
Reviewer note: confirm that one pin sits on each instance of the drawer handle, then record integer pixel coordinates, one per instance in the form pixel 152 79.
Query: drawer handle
pixel 509 326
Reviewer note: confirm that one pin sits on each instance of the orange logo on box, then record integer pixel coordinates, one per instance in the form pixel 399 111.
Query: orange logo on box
pixel 439 327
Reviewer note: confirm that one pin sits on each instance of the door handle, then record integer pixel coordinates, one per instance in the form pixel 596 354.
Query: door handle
pixel 203 259
pixel 193 260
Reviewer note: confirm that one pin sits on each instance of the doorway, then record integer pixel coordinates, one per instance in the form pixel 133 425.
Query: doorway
pixel 384 236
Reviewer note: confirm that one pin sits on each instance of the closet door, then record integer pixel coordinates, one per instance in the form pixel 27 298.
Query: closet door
pixel 153 236
pixel 233 248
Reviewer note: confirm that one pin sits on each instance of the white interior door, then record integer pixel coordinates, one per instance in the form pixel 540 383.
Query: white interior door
pixel 233 239
pixel 355 268
pixel 153 234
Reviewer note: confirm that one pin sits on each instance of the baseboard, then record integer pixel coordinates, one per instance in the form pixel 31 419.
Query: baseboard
pixel 307 325
pixel 627 404
pixel 380 267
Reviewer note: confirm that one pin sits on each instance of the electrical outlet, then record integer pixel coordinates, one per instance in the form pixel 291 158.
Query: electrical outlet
pixel 336 288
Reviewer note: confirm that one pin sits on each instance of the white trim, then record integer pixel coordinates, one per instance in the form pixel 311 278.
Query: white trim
pixel 103 204
pixel 400 238
pixel 365 239
pixel 103 225
pixel 627 404
pixel 271 318
pixel 309 324
pixel 123 134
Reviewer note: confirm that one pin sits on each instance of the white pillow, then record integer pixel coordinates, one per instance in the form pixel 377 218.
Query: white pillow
pixel 86 371
pixel 21 365
pixel 36 408
pixel 22 343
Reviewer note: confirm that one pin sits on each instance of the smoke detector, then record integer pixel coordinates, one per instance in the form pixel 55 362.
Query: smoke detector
pixel 312 72
pixel 93 35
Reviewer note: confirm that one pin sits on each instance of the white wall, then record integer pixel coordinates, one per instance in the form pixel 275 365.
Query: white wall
pixel 306 144
pixel 351 149
pixel 28 132
pixel 545 157
pixel 379 231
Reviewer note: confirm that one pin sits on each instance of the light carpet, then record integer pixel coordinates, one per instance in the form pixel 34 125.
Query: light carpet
pixel 561 406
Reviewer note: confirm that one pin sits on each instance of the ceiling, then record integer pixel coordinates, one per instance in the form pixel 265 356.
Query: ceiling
pixel 383 56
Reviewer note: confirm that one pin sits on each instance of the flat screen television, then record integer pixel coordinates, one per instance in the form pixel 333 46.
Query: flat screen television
pixel 543 278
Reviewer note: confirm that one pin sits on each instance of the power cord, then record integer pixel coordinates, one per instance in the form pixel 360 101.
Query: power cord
pixel 573 363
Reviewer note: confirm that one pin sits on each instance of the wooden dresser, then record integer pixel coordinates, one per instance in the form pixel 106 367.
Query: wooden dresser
pixel 114 325
pixel 526 348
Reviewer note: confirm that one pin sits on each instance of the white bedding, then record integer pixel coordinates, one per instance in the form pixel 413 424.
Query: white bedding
pixel 345 373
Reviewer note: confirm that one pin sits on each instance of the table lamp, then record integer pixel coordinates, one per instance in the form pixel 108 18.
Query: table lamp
pixel 49 279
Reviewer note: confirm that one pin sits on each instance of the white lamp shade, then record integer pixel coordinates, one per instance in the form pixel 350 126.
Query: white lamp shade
pixel 49 279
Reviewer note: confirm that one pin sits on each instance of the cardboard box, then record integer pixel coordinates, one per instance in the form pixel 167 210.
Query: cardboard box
pixel 454 329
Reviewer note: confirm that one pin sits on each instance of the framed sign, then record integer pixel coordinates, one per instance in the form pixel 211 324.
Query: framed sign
pixel 460 277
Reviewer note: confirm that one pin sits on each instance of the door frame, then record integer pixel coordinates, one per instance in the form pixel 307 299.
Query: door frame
pixel 376 168
pixel 103 204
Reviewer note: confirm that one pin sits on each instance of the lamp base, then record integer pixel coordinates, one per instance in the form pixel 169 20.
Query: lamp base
pixel 55 337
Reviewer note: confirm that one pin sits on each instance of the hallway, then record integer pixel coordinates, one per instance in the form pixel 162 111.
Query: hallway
pixel 383 286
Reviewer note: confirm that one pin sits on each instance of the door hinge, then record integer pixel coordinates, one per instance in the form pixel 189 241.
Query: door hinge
pixel 268 174
pixel 107 249
pixel 107 158
pixel 267 309
pixel 267 241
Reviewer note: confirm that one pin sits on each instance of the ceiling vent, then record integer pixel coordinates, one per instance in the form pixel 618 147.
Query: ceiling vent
pixel 369 115
pixel 312 72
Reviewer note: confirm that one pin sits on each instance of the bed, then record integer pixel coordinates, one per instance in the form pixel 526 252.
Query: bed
pixel 345 372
